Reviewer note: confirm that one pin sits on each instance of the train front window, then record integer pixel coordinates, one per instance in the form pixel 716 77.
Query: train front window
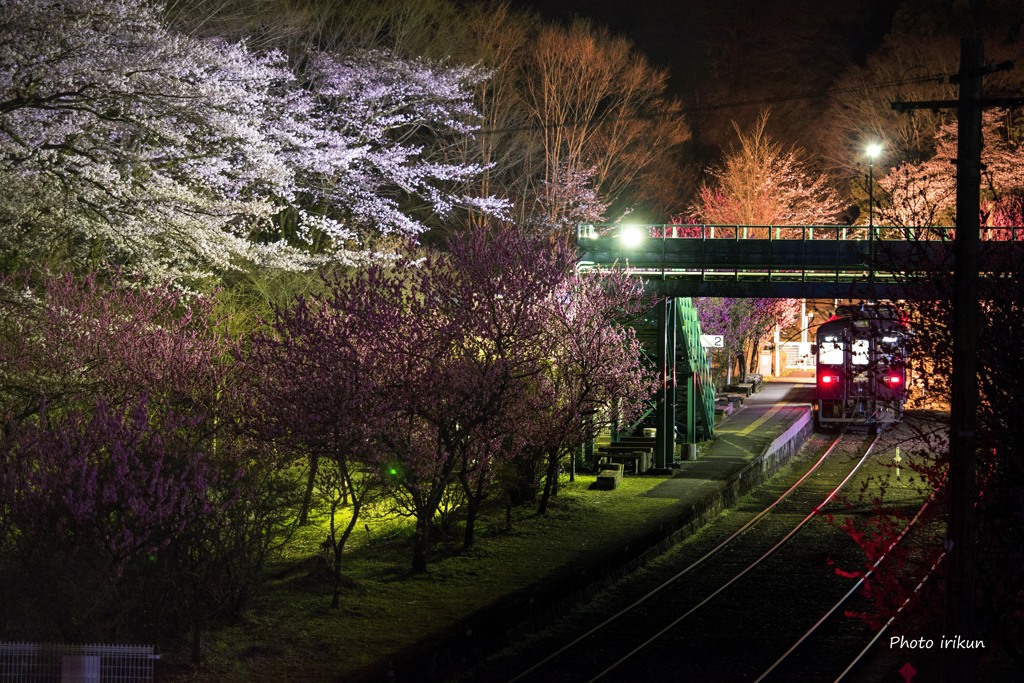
pixel 859 351
pixel 890 349
pixel 830 351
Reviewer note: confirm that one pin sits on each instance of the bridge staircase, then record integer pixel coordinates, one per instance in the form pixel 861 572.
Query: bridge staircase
pixel 684 407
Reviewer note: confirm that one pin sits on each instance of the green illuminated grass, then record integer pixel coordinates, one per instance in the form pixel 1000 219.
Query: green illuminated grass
pixel 292 634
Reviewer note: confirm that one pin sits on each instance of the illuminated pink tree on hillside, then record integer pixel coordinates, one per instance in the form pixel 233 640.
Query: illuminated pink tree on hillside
pixel 924 194
pixel 762 183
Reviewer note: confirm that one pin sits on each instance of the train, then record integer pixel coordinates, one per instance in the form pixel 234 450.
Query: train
pixel 862 367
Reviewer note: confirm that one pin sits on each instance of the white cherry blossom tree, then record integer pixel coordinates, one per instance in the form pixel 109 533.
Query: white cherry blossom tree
pixel 125 142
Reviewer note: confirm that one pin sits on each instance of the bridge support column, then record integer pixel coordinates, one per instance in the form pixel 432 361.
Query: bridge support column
pixel 665 414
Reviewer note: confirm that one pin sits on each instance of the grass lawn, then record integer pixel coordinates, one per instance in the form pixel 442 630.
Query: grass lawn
pixel 290 633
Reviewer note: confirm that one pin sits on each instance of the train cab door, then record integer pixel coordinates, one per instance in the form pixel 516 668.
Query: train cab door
pixel 861 367
pixel 861 390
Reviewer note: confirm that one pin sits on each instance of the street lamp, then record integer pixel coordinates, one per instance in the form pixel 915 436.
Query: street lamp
pixel 873 150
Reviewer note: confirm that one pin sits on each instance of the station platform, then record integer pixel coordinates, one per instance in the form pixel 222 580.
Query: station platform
pixel 750 445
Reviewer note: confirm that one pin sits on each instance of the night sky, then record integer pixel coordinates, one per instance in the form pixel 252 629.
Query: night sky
pixel 729 59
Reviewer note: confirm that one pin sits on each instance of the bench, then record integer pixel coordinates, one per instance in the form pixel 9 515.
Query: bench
pixel 638 457
pixel 609 476
pixel 735 399
pixel 742 389
pixel 723 407
pixel 755 381
pixel 639 441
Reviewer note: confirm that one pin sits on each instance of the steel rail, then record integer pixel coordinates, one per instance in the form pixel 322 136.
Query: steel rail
pixel 850 593
pixel 749 568
pixel 892 619
pixel 678 575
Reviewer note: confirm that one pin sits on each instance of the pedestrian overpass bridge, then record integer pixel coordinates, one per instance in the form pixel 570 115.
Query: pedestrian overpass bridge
pixel 835 262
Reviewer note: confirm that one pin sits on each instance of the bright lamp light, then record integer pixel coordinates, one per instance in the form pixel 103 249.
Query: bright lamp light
pixel 631 236
pixel 874 150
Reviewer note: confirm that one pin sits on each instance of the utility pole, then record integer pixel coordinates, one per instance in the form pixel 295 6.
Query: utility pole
pixel 958 665
pixel 961 665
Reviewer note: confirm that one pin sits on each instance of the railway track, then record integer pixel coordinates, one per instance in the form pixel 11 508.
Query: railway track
pixel 717 614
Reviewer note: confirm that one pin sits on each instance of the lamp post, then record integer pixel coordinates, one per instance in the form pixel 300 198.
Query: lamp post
pixel 873 150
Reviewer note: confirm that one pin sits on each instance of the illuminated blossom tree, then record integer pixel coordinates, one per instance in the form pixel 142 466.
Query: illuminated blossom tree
pixel 80 339
pixel 316 379
pixel 122 140
pixel 595 361
pixel 122 482
pixel 744 323
pixel 924 194
pixel 760 182
pixel 505 278
pixel 117 445
pixel 725 316
pixel 465 336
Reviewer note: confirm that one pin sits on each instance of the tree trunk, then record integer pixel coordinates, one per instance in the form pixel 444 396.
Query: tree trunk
pixel 307 498
pixel 472 506
pixel 421 541
pixel 338 547
pixel 474 497
pixel 197 629
pixel 549 481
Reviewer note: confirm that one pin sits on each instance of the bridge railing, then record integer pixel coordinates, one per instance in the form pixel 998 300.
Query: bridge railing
pixel 629 231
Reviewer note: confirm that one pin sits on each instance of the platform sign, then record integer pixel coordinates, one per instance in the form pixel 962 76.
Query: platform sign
pixel 712 341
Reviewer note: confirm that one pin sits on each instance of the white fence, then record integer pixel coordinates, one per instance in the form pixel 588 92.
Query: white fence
pixel 798 355
pixel 55 663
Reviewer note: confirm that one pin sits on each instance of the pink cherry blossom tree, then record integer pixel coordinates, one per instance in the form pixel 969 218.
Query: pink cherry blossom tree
pixel 760 182
pixel 744 323
pixel 421 414
pixel 90 501
pixel 81 339
pixel 924 194
pixel 595 366
pixel 128 451
pixel 316 380
pixel 505 276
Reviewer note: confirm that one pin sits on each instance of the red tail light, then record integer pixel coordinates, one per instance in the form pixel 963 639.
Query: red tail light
pixel 893 380
pixel 828 379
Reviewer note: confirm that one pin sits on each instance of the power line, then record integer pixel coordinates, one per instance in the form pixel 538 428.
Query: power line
pixel 736 104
